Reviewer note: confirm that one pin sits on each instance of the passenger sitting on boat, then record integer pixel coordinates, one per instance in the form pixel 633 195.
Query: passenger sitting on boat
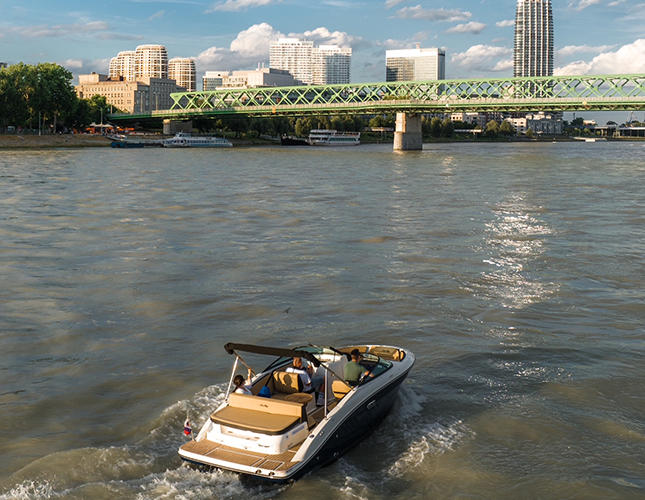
pixel 309 382
pixel 354 371
pixel 240 386
pixel 305 372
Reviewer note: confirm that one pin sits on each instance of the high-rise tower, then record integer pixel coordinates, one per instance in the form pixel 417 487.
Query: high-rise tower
pixel 533 38
pixel 182 70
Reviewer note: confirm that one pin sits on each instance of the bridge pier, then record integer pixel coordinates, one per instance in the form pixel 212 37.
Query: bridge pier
pixel 408 135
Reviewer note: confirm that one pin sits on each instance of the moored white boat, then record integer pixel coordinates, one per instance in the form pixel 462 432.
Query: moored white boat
pixel 283 437
pixel 334 138
pixel 185 140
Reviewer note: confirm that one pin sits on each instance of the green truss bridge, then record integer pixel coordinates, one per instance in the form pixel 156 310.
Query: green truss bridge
pixel 407 99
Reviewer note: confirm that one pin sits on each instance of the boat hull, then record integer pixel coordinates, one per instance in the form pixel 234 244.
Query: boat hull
pixel 293 141
pixel 358 425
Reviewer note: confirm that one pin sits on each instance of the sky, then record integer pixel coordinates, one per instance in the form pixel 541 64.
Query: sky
pixel 591 36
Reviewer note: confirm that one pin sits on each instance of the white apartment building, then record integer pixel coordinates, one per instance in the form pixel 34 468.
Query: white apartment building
pixel 293 55
pixel 146 61
pixel 261 77
pixel 533 54
pixel 415 65
pixel 124 65
pixel 539 123
pixel 212 80
pixel 323 65
pixel 183 71
pixel 331 65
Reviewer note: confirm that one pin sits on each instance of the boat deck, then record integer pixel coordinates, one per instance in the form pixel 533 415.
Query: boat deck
pixel 217 451
pixel 247 458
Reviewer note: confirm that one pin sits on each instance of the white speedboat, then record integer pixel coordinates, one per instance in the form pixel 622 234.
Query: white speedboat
pixel 282 437
pixel 334 138
pixel 185 140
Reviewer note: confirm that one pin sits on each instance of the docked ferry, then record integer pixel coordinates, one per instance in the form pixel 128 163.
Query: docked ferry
pixel 334 138
pixel 185 140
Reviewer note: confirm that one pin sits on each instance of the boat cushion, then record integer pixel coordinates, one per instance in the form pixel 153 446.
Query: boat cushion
pixel 257 414
pixel 390 353
pixel 340 388
pixel 287 383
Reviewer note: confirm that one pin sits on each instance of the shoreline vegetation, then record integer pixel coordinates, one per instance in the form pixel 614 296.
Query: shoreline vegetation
pixel 56 141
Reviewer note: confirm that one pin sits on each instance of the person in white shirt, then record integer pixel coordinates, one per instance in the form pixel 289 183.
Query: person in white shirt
pixel 240 386
pixel 309 382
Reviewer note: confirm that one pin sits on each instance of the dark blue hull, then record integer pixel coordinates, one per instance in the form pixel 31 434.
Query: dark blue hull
pixel 356 427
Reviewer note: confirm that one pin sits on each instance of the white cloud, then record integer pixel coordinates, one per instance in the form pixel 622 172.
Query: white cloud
pixel 618 2
pixel 418 12
pixel 579 5
pixel 322 36
pixel 570 50
pixel 44 31
pixel 237 5
pixel 471 27
pixel 157 15
pixel 250 47
pixel 507 23
pixel 629 59
pixel 483 58
pixel 392 3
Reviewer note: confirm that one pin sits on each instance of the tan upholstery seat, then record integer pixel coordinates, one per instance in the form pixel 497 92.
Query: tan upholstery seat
pixel 390 353
pixel 258 414
pixel 287 383
pixel 340 388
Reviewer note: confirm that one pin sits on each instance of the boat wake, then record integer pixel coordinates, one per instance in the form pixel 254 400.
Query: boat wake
pixel 149 469
pixel 408 443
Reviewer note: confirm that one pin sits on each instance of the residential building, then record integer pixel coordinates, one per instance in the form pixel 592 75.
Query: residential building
pixel 415 65
pixel 152 61
pixel 539 123
pixel 261 77
pixel 295 56
pixel 533 55
pixel 480 119
pixel 331 65
pixel 309 65
pixel 146 61
pixel 144 95
pixel 183 71
pixel 124 65
pixel 212 80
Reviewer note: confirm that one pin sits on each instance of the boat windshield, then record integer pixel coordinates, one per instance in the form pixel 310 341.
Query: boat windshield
pixel 375 365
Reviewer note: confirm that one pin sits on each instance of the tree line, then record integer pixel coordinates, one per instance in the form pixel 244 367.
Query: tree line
pixel 42 97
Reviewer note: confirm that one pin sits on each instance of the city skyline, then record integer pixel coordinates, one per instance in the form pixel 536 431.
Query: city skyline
pixel 591 36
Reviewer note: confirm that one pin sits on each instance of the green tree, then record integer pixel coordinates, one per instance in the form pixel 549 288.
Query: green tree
pixel 530 134
pixel 507 129
pixel 447 128
pixel 492 129
pixel 435 127
pixel 303 127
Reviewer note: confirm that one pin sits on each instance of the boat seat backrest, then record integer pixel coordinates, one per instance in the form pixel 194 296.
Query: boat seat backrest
pixel 287 383
pixel 340 388
pixel 390 353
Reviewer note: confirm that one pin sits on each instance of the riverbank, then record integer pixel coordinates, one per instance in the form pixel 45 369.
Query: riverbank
pixel 16 141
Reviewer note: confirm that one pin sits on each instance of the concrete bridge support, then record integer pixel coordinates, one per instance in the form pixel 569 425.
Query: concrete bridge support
pixel 408 135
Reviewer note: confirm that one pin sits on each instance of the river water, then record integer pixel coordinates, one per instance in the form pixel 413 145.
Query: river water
pixel 514 272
